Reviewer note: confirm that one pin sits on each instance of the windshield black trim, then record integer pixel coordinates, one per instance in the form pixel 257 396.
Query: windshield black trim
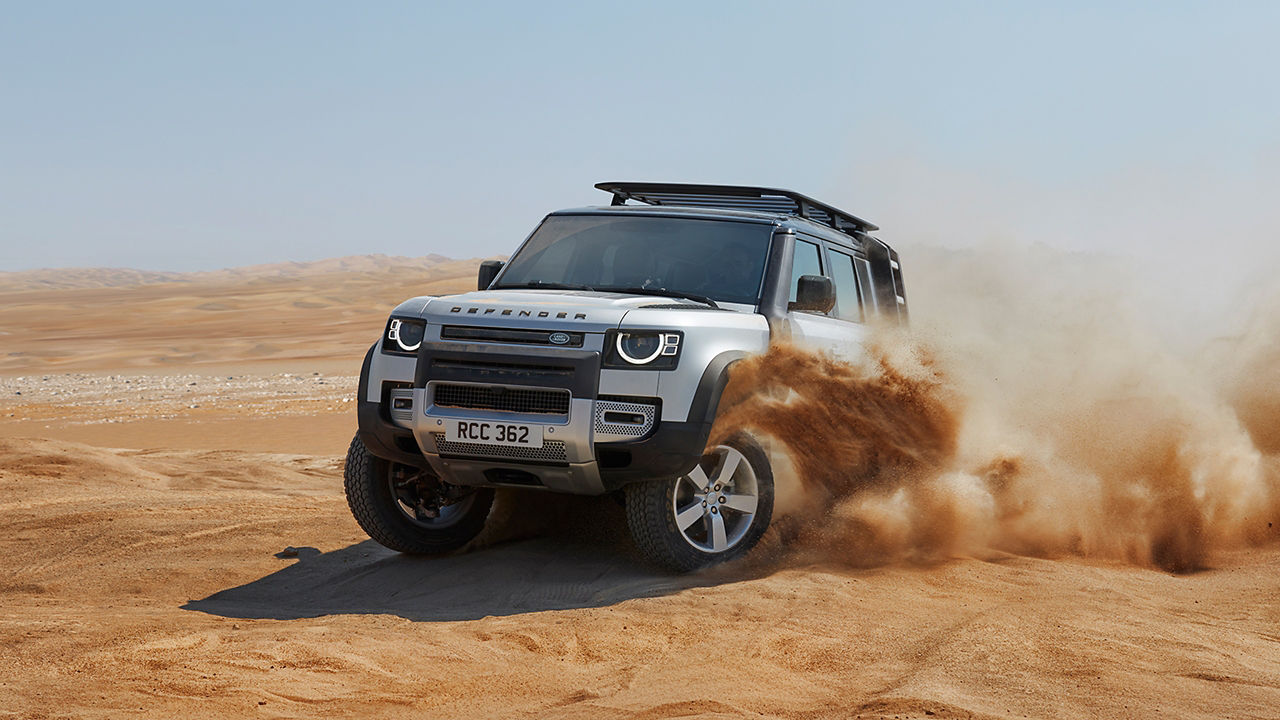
pixel 661 292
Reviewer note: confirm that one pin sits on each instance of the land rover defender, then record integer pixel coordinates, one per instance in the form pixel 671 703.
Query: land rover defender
pixel 593 362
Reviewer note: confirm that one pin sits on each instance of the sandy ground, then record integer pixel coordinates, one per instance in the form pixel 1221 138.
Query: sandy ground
pixel 147 502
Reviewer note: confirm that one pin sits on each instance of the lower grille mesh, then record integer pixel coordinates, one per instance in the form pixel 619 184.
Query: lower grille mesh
pixel 551 450
pixel 498 397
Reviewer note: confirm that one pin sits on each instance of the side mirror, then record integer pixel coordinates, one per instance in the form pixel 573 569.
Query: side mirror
pixel 814 293
pixel 489 270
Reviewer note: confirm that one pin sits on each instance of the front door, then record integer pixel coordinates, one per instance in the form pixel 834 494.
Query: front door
pixel 840 331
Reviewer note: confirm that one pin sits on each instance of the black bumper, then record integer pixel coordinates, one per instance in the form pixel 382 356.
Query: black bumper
pixel 384 438
pixel 671 451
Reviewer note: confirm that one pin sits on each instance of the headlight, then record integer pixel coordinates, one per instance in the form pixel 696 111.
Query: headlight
pixel 403 336
pixel 644 349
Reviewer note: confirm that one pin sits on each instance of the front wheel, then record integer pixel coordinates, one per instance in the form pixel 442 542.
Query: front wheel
pixel 715 513
pixel 410 511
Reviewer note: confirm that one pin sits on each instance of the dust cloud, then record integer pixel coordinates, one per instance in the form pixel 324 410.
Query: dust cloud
pixel 1027 411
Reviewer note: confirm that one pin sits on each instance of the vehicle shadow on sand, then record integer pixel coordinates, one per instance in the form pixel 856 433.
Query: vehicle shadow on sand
pixel 577 556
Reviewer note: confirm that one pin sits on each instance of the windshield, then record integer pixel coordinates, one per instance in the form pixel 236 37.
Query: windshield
pixel 717 259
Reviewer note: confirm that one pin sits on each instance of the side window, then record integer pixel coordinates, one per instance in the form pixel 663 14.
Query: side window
pixel 846 280
pixel 864 283
pixel 808 261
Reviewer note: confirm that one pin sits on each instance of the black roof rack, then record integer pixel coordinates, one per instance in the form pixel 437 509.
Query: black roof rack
pixel 736 197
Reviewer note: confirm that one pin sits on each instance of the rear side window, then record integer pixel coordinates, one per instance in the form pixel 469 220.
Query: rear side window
pixel 864 283
pixel 808 261
pixel 845 278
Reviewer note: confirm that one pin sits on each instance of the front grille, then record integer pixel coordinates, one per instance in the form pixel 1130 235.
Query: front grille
pixel 502 399
pixel 454 364
pixel 551 450
pixel 504 335
pixel 498 372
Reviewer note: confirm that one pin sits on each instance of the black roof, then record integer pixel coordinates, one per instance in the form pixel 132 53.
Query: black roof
pixel 737 197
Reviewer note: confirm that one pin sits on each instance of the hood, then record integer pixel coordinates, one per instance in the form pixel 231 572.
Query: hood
pixel 559 309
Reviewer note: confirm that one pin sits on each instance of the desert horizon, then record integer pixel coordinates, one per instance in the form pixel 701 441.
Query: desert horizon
pixel 179 544
pixel 201 359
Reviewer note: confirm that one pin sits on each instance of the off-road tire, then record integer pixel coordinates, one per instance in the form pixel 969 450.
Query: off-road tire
pixel 369 496
pixel 651 518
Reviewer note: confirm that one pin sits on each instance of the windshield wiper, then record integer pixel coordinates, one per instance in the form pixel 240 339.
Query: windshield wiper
pixel 662 292
pixel 543 284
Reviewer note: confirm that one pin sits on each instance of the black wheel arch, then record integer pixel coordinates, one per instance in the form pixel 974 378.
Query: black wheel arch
pixel 706 400
pixel 675 447
pixel 380 436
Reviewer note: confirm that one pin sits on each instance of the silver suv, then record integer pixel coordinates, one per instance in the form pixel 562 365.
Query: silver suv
pixel 593 362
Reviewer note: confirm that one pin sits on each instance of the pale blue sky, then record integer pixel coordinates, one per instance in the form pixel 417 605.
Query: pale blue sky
pixel 184 136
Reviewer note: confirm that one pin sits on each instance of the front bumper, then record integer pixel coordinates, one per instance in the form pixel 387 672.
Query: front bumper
pixel 582 453
pixel 565 462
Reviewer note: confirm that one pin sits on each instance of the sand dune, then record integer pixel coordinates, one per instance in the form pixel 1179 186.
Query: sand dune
pixel 164 438
pixel 87 278
pixel 93 319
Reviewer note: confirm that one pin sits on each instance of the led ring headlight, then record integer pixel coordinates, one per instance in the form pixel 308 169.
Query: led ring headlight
pixel 406 335
pixel 664 344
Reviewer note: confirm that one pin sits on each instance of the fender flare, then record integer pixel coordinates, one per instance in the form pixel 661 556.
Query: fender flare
pixel 706 400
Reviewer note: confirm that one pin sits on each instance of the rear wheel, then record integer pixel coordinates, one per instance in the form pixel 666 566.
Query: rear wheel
pixel 715 513
pixel 409 510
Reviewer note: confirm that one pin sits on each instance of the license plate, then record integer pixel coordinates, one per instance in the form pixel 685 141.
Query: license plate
pixel 493 433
